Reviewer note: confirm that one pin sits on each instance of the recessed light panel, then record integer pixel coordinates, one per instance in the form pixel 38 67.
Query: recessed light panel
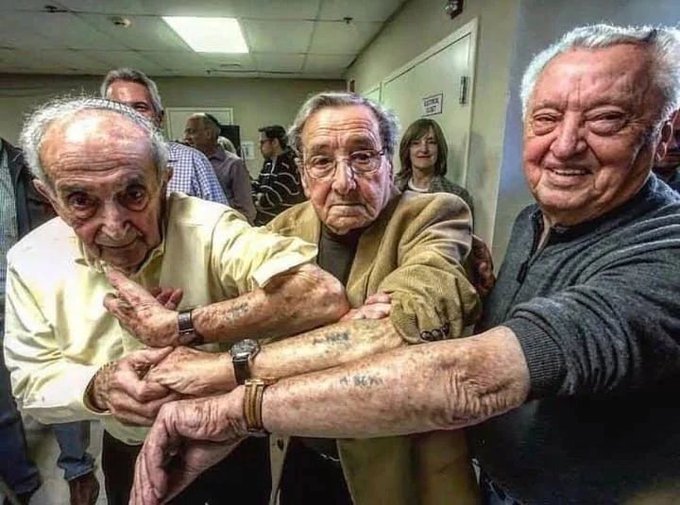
pixel 209 35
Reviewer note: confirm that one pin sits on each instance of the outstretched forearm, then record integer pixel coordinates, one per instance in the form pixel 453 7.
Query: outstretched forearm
pixel 326 347
pixel 290 303
pixel 443 385
pixel 197 373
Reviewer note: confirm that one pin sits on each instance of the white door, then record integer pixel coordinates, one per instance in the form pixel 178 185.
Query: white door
pixel 438 85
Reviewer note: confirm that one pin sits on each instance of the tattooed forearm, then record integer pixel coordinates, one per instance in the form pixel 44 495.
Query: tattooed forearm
pixel 334 337
pixel 238 310
pixel 361 381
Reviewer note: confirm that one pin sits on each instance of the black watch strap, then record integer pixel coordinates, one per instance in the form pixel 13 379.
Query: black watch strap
pixel 187 332
pixel 241 368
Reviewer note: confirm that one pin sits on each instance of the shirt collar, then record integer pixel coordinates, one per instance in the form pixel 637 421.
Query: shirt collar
pixel 612 219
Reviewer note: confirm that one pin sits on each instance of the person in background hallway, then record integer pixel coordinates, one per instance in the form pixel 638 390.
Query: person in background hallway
pixel 192 173
pixel 201 132
pixel 23 209
pixel 423 155
pixel 226 144
pixel 278 186
pixel 574 374
pixel 104 169
pixel 668 169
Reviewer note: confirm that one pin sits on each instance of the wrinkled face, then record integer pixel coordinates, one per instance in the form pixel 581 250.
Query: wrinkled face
pixel 198 136
pixel 105 186
pixel 672 159
pixel 589 139
pixel 266 146
pixel 136 96
pixel 423 152
pixel 345 201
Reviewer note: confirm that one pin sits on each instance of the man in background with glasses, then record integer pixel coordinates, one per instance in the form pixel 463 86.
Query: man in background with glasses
pixel 399 257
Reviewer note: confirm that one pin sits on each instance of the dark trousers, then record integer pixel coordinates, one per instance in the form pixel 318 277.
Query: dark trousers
pixel 311 479
pixel 243 477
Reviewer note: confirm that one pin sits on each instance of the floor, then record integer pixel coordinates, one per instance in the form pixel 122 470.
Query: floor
pixel 44 450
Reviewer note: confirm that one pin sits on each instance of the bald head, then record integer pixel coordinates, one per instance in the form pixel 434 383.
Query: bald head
pixel 201 133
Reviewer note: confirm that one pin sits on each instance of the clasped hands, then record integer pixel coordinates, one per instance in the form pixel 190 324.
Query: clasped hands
pixel 194 433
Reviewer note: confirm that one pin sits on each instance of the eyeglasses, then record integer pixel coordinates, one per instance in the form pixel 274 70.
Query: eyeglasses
pixel 360 162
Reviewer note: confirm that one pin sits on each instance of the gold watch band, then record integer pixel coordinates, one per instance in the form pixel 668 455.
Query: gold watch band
pixel 252 405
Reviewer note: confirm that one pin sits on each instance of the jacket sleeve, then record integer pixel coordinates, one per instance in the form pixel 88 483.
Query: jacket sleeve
pixel 432 298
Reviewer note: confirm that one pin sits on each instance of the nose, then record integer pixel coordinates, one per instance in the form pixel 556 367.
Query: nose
pixel 114 223
pixel 343 178
pixel 570 140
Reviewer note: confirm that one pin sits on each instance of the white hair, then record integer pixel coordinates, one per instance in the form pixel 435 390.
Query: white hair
pixel 67 108
pixel 663 44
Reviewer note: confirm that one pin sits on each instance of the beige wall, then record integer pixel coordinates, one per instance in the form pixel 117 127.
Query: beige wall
pixel 256 102
pixel 419 25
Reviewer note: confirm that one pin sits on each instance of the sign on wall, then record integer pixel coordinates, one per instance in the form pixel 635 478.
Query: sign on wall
pixel 433 104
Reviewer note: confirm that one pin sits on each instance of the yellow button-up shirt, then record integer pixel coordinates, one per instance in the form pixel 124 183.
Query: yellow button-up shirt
pixel 58 333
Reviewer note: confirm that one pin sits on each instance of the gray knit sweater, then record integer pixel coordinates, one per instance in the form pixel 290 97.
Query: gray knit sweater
pixel 597 312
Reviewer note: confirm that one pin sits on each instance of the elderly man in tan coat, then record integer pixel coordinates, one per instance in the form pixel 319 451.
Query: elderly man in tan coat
pixel 400 258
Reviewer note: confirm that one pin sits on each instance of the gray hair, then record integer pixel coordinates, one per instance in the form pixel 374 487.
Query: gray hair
pixel 663 44
pixel 388 124
pixel 127 74
pixel 66 109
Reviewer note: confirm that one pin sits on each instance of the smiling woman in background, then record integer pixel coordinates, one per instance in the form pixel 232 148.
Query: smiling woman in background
pixel 423 153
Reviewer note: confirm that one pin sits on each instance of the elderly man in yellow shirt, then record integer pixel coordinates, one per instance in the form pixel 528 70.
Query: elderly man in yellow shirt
pixel 103 168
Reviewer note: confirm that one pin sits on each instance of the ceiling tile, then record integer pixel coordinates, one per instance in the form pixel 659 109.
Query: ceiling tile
pixel 278 36
pixel 342 38
pixel 52 31
pixel 285 37
pixel 279 62
pixel 359 10
pixel 145 33
pixel 331 63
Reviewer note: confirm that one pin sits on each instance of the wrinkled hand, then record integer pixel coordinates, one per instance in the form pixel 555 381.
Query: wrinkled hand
pixel 376 306
pixel 140 313
pixel 483 278
pixel 120 388
pixel 194 373
pixel 187 438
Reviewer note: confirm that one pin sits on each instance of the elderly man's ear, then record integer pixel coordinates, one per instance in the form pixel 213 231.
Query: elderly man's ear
pixel 666 135
pixel 664 139
pixel 46 192
pixel 303 179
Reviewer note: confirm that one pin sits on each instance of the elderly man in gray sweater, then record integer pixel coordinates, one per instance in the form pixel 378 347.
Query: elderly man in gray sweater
pixel 577 365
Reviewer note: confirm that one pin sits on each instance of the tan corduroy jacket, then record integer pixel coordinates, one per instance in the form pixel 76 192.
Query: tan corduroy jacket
pixel 413 251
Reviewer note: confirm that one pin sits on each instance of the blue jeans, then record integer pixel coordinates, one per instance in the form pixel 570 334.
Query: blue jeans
pixel 16 469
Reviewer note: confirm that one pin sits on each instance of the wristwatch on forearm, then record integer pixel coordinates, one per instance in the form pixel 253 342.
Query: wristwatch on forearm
pixel 242 354
pixel 186 330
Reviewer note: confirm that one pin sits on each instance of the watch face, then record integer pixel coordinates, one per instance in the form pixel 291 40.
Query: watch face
pixel 244 348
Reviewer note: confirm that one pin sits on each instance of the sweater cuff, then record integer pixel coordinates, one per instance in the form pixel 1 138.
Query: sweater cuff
pixel 543 356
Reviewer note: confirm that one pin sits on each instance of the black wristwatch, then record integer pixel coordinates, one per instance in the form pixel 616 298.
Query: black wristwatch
pixel 242 354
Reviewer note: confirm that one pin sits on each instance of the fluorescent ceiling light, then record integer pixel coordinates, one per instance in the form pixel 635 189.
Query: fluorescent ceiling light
pixel 209 35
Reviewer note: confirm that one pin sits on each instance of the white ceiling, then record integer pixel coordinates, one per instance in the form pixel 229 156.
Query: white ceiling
pixel 287 38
